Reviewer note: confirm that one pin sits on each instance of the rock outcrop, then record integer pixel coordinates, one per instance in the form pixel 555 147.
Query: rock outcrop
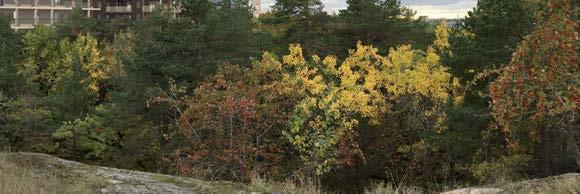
pixel 567 183
pixel 111 180
pixel 97 179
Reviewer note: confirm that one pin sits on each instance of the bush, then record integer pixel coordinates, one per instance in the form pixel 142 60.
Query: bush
pixel 506 169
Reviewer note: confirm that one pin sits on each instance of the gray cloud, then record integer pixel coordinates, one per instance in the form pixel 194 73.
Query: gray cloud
pixel 436 2
pixel 431 8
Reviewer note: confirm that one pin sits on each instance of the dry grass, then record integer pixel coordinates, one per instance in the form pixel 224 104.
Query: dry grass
pixel 381 188
pixel 569 183
pixel 17 179
pixel 305 187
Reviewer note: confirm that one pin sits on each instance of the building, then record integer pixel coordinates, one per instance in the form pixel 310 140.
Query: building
pixel 451 23
pixel 29 13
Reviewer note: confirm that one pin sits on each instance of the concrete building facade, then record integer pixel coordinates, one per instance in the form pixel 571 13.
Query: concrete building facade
pixel 30 13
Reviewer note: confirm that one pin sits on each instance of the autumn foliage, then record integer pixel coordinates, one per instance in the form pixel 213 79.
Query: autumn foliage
pixel 537 93
pixel 370 94
pixel 235 121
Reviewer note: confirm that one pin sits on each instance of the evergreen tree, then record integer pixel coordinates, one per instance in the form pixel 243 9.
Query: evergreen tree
pixel 305 23
pixel 489 36
pixel 230 18
pixel 10 52
pixel 483 42
pixel 382 23
pixel 79 23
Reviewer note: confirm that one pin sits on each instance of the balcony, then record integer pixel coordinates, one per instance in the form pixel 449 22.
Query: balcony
pixel 9 3
pixel 148 8
pixel 48 4
pixel 84 5
pixel 119 9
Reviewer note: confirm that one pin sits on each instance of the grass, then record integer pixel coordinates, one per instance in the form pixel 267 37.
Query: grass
pixel 554 185
pixel 257 185
pixel 25 173
pixel 17 179
pixel 305 187
pixel 382 188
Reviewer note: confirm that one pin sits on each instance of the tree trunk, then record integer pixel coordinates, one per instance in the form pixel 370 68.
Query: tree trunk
pixel 571 132
pixel 546 153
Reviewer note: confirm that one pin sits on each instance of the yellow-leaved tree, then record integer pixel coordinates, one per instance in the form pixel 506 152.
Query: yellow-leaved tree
pixel 320 105
pixel 78 74
pixel 363 88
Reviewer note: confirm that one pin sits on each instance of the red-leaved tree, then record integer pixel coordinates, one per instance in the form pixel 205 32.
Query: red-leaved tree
pixel 535 98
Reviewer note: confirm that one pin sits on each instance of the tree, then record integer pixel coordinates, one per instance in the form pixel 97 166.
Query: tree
pixel 169 48
pixel 197 10
pixel 497 23
pixel 231 125
pixel 110 136
pixel 109 129
pixel 382 23
pixel 41 49
pixel 230 18
pixel 25 119
pixel 10 50
pixel 362 89
pixel 485 41
pixel 79 23
pixel 535 97
pixel 75 78
pixel 306 24
pixel 495 27
pixel 25 124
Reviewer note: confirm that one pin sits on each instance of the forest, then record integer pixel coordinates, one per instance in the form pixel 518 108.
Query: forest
pixel 345 100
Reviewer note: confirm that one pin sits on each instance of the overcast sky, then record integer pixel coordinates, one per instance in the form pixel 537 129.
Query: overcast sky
pixel 431 8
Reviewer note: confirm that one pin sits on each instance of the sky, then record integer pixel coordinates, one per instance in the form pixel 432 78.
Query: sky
pixel 432 8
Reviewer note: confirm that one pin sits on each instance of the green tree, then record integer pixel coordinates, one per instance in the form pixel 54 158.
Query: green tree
pixel 489 36
pixel 305 23
pixel 41 48
pixel 197 10
pixel 109 136
pixel 10 50
pixel 485 41
pixel 25 118
pixel 231 18
pixel 78 22
pixel 382 23
pixel 25 124
pixel 169 48
pixel 76 77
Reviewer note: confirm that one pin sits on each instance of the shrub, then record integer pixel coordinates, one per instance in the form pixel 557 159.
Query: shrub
pixel 506 169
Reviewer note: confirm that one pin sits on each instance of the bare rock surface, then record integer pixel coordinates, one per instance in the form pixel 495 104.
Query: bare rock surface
pixel 98 179
pixel 112 180
pixel 566 183
pixel 473 190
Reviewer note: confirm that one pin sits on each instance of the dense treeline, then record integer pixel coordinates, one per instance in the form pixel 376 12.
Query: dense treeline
pixel 368 94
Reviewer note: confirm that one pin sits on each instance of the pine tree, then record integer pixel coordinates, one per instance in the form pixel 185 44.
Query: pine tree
pixel 10 50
